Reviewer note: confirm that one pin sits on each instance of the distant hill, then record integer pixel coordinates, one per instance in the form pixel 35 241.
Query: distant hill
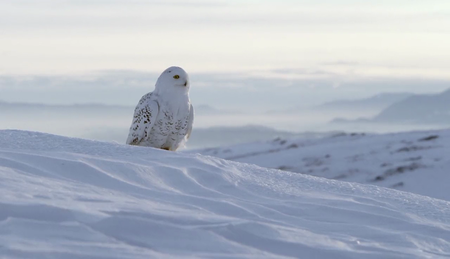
pixel 94 108
pixel 422 109
pixel 204 109
pixel 377 102
pixel 351 109
pixel 219 136
pixel 87 109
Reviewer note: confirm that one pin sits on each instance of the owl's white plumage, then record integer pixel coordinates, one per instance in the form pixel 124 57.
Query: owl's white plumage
pixel 163 118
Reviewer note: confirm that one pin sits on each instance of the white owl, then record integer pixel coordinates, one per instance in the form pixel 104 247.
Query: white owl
pixel 163 118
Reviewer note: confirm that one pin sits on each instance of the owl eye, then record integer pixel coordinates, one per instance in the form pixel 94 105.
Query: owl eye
pixel 176 76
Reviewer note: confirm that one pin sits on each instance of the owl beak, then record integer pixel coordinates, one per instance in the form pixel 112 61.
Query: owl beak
pixel 185 84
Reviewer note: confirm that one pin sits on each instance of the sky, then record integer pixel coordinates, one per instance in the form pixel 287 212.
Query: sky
pixel 279 53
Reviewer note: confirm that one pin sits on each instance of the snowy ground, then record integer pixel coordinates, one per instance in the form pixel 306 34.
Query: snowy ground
pixel 417 162
pixel 72 198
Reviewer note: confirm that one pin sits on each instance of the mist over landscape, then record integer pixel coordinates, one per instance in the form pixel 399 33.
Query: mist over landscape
pixel 381 113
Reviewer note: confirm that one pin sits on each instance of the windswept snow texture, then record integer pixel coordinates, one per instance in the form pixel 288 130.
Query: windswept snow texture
pixel 74 198
pixel 416 162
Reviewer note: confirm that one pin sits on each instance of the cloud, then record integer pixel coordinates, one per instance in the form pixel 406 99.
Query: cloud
pixel 342 63
pixel 86 3
pixel 330 37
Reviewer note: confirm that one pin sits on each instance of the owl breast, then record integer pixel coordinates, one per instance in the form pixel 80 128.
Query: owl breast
pixel 169 129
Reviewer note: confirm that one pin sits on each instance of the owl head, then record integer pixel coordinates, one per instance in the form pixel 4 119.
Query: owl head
pixel 173 79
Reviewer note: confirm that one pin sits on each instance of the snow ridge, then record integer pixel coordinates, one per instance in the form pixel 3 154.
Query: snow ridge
pixel 410 161
pixel 74 198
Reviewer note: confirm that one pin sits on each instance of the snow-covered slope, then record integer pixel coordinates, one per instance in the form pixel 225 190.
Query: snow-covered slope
pixel 74 198
pixel 418 162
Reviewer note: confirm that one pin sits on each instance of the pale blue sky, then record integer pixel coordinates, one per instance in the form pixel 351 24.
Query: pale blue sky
pixel 317 46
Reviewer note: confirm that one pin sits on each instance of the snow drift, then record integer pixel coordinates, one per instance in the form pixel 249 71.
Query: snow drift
pixel 74 198
pixel 417 162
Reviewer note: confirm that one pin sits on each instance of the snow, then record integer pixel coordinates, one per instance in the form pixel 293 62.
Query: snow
pixel 409 161
pixel 73 198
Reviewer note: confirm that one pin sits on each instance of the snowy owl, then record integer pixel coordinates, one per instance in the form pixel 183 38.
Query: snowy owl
pixel 163 118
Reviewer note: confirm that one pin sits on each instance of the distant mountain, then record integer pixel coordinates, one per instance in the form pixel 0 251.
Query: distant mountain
pixel 377 102
pixel 88 109
pixel 204 109
pixel 94 108
pixel 64 106
pixel 351 108
pixel 219 136
pixel 422 109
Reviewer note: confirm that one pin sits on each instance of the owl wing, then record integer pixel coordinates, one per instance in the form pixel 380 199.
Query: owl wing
pixel 144 118
pixel 190 121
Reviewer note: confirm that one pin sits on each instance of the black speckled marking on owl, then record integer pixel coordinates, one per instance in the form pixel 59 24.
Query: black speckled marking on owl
pixel 141 114
pixel 167 132
pixel 168 129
